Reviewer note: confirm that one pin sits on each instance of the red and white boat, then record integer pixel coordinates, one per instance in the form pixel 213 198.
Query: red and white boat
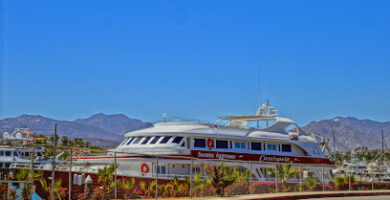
pixel 185 146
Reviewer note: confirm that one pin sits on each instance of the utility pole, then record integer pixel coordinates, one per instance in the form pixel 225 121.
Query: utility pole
pixel 115 165
pixel 334 142
pixel 383 144
pixel 32 164
pixel 156 177
pixel 70 171
pixel 53 162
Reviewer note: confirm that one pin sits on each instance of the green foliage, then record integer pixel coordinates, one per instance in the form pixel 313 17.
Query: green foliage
pixel 222 177
pixel 340 182
pixel 128 187
pixel 105 178
pixel 174 188
pixel 284 173
pixel 199 184
pixel 64 141
pixel 311 184
pixel 27 177
pixel 148 189
pixel 59 192
pixel 41 139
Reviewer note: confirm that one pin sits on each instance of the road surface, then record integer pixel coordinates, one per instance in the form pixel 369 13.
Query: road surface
pixel 386 197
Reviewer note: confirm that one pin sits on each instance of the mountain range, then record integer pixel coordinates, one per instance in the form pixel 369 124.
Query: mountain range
pixel 351 133
pixel 99 129
pixel 108 130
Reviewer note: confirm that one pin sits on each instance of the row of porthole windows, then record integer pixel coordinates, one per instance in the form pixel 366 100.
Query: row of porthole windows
pixel 257 146
pixel 152 140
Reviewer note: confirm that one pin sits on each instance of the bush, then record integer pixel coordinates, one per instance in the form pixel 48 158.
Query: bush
pixel 262 187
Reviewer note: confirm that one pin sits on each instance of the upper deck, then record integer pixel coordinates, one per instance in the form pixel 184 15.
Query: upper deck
pixel 177 138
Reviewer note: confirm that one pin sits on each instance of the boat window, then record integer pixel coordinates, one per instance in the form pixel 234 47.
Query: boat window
pixel 199 142
pixel 271 146
pixel 161 169
pixel 146 140
pixel 221 144
pixel 1 153
pixel 165 139
pixel 155 139
pixel 239 145
pixel 130 140
pixel 124 141
pixel 256 146
pixel 177 140
pixel 136 141
pixel 183 144
pixel 286 147
pixel 7 153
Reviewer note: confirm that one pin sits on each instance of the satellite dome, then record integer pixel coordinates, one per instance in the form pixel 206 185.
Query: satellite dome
pixel 5 135
pixel 18 135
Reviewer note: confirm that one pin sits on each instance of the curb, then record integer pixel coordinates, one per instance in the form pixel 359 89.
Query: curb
pixel 310 196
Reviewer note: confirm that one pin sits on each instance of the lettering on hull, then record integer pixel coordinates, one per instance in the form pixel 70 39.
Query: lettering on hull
pixel 258 157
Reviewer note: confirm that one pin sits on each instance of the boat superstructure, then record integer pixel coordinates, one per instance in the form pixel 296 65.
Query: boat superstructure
pixel 186 147
pixel 16 150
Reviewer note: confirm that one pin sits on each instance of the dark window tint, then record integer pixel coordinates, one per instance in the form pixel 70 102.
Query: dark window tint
pixel 199 143
pixel 286 147
pixel 221 144
pixel 136 141
pixel 7 153
pixel 256 146
pixel 177 140
pixel 165 139
pixel 128 143
pixel 155 139
pixel 1 153
pixel 146 140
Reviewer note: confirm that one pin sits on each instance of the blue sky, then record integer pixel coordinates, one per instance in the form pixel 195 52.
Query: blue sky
pixel 196 59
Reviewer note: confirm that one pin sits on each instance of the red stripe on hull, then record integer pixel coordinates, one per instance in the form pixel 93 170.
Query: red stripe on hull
pixel 211 155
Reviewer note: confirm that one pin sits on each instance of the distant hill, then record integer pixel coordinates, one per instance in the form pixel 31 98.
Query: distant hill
pixel 351 132
pixel 99 129
pixel 114 124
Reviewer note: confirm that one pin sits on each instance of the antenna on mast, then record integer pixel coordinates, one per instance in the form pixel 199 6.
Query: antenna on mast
pixel 269 94
pixel 259 89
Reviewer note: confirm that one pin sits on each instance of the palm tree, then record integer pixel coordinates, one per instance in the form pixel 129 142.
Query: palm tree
pixel 148 189
pixel 199 183
pixel 105 178
pixel 222 177
pixel 59 192
pixel 64 141
pixel 128 187
pixel 27 177
pixel 284 173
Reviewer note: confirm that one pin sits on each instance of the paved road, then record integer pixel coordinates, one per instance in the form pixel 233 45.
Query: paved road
pixel 356 198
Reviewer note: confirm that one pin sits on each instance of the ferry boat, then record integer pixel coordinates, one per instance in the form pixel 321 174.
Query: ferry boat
pixel 180 149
